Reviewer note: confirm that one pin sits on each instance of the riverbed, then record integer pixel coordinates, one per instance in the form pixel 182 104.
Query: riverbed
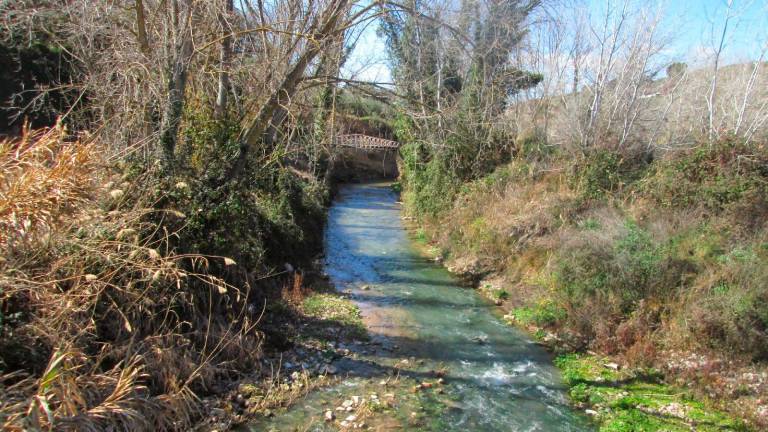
pixel 438 353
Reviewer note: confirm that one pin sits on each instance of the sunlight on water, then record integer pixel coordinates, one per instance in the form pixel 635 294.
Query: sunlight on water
pixel 496 379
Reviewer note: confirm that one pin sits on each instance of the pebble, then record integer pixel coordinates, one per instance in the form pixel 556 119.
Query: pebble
pixel 351 418
pixel 356 400
pixel 330 416
pixel 590 412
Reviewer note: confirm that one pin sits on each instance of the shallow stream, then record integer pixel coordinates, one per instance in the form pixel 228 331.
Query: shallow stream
pixel 421 321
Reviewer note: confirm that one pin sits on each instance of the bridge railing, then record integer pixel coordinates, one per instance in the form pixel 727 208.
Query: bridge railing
pixel 365 142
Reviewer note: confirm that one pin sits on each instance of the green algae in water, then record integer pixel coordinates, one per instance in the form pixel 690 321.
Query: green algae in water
pixel 636 401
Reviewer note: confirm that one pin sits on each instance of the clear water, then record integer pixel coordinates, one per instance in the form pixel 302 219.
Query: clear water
pixel 497 378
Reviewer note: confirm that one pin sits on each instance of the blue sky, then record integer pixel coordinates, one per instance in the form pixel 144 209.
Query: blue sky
pixel 696 26
pixel 700 23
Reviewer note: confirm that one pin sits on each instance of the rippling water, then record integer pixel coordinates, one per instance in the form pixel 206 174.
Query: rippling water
pixel 498 380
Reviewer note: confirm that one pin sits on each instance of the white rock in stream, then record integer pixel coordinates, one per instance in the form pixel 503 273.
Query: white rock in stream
pixel 351 418
pixel 330 416
pixel 356 400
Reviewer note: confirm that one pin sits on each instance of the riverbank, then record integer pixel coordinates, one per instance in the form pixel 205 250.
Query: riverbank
pixel 652 264
pixel 617 397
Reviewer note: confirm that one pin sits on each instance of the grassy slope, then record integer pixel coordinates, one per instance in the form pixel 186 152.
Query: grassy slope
pixel 646 263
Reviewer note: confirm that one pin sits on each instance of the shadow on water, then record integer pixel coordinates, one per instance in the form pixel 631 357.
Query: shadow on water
pixel 418 316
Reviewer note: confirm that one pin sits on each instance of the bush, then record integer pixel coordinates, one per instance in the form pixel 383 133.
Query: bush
pixel 430 184
pixel 545 313
pixel 601 172
pixel 604 275
pixel 713 177
pixel 730 312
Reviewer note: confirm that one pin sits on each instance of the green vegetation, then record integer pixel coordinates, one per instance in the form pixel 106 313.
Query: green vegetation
pixel 333 315
pixel 628 258
pixel 544 314
pixel 634 400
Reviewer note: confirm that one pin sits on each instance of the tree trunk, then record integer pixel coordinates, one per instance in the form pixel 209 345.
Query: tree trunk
pixel 177 85
pixel 263 128
pixel 220 108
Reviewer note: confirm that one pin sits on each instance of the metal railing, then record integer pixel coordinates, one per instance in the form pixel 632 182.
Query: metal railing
pixel 365 142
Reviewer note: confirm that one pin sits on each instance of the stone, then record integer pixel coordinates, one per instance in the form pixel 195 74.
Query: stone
pixel 330 370
pixel 356 400
pixel 614 366
pixel 330 416
pixel 590 412
pixel 351 418
pixel 441 381
pixel 344 424
pixel 347 403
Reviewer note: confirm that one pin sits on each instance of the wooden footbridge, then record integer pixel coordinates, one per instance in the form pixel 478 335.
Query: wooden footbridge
pixel 365 142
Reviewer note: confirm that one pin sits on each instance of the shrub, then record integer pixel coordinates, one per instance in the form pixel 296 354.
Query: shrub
pixel 431 186
pixel 533 145
pixel 713 177
pixel 730 312
pixel 544 313
pixel 602 171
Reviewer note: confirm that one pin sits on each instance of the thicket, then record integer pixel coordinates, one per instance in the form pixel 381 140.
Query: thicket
pixel 140 259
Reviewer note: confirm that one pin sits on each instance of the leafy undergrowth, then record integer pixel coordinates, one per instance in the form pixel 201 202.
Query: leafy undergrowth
pixel 332 317
pixel 126 294
pixel 623 400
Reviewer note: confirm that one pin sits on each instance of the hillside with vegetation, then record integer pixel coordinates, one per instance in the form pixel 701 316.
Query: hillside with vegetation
pixel 624 219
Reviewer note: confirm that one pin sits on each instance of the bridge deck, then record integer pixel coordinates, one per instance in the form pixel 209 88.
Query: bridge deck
pixel 365 142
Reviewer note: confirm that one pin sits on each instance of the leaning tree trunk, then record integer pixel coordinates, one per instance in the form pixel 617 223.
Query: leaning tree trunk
pixel 262 129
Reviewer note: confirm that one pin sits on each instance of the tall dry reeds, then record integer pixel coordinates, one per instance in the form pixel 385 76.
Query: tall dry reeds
pixel 90 285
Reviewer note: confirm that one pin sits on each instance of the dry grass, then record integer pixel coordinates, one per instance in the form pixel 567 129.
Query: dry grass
pixel 131 331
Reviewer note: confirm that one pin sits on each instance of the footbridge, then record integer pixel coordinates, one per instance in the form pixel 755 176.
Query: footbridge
pixel 366 142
